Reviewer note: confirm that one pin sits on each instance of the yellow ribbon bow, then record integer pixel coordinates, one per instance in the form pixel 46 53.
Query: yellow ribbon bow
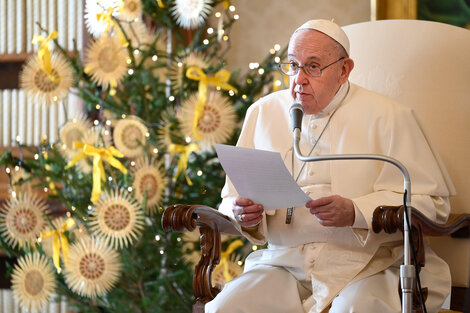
pixel 185 152
pixel 106 17
pixel 44 54
pixel 161 4
pixel 220 79
pixel 98 154
pixel 226 4
pixel 59 241
pixel 224 256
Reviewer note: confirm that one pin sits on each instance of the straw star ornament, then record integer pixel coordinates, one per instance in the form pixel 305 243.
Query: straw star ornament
pixel 42 87
pixel 130 136
pixel 106 61
pixel 216 123
pixel 129 10
pixel 117 219
pixel 94 136
pixel 149 183
pixel 177 70
pixel 92 268
pixel 22 219
pixel 33 282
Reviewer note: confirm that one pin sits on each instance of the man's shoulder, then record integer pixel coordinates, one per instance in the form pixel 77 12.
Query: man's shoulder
pixel 372 99
pixel 274 99
pixel 363 93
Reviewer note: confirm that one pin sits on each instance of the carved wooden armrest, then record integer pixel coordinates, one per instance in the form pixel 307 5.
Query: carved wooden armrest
pixel 211 224
pixel 390 219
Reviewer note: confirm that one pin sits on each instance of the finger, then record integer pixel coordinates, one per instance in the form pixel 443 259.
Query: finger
pixel 247 217
pixel 256 208
pixel 252 222
pixel 250 217
pixel 321 209
pixel 242 201
pixel 327 223
pixel 325 216
pixel 319 202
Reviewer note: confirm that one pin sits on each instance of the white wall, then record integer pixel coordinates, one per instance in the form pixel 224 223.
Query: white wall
pixel 264 23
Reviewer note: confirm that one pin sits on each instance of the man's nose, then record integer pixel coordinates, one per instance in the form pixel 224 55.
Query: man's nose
pixel 301 77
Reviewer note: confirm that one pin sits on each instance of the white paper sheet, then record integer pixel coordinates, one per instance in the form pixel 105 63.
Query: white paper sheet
pixel 261 176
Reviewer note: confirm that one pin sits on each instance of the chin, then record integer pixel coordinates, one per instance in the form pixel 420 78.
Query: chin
pixel 309 109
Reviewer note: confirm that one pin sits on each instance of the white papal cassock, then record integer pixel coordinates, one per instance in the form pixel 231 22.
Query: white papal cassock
pixel 307 265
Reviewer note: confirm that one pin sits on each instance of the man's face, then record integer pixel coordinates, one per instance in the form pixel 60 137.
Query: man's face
pixel 315 48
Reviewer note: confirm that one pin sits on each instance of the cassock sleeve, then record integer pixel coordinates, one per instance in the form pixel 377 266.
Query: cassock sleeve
pixel 257 235
pixel 402 138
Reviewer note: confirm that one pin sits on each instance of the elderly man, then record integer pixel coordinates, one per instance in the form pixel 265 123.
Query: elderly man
pixel 324 257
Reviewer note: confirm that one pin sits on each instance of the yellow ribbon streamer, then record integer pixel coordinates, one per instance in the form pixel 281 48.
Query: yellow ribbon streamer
pixel 44 54
pixel 286 80
pixel 276 78
pixel 107 18
pixel 220 79
pixel 224 256
pixel 161 4
pixel 185 152
pixel 59 242
pixel 98 154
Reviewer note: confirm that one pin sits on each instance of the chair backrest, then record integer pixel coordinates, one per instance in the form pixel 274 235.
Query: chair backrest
pixel 426 66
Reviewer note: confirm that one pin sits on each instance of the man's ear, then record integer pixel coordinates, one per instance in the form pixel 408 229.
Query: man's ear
pixel 348 66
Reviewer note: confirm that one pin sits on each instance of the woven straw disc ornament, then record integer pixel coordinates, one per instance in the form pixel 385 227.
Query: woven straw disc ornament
pixel 33 282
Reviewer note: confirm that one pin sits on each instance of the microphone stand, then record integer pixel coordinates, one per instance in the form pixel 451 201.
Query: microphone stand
pixel 407 274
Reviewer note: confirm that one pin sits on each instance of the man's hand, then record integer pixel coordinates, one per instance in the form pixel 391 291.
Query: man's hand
pixel 332 211
pixel 246 212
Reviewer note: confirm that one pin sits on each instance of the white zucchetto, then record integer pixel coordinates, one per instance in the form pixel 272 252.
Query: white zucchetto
pixel 330 29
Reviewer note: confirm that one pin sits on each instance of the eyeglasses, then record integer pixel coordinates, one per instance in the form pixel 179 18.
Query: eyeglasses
pixel 293 68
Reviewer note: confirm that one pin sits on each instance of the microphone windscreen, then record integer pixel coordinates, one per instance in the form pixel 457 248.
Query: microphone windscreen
pixel 296 113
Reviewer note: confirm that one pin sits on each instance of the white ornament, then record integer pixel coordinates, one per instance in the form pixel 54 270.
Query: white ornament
pixel 191 14
pixel 92 9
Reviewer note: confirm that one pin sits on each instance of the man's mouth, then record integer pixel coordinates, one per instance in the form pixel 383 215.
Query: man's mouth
pixel 302 95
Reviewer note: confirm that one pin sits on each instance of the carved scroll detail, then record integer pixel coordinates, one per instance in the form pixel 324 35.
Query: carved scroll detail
pixel 180 217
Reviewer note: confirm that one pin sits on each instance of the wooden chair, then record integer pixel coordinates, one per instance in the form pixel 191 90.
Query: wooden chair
pixel 424 65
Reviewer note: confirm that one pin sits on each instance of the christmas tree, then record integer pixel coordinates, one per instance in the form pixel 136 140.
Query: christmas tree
pixel 158 99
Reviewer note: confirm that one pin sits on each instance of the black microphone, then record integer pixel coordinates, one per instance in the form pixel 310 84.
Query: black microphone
pixel 296 113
